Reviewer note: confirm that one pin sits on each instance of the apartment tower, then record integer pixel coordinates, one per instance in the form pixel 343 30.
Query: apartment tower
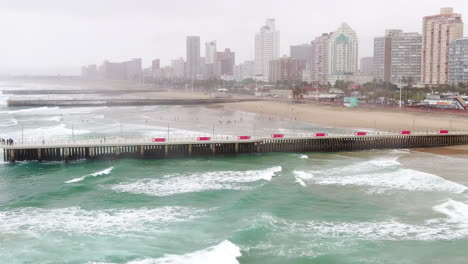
pixel 439 31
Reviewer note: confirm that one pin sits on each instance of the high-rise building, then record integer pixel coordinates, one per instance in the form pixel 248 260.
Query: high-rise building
pixel 224 64
pixel 458 62
pixel 367 65
pixel 382 55
pixel 406 57
pixel 343 51
pixel 286 69
pixel 398 55
pixel 301 52
pixel 244 70
pixel 438 32
pixel 193 57
pixel 266 49
pixel 133 69
pixel 89 72
pixel 128 70
pixel 156 68
pixel 319 59
pixel 210 52
pixel 178 68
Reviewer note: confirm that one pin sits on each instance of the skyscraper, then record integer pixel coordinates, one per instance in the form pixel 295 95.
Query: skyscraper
pixel 210 52
pixel 178 67
pixel 319 59
pixel 458 62
pixel 286 69
pixel 266 49
pixel 406 57
pixel 343 51
pixel 398 55
pixel 301 52
pixel 193 57
pixel 438 32
pixel 225 62
pixel 367 65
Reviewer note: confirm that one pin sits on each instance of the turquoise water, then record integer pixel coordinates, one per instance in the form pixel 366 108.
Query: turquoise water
pixel 390 206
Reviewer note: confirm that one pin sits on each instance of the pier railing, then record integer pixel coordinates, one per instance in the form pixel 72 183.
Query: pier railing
pixel 144 147
pixel 132 140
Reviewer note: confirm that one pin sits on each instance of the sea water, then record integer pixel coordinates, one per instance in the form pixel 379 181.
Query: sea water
pixel 380 206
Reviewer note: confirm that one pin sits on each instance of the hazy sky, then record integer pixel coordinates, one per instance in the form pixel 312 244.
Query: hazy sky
pixel 58 36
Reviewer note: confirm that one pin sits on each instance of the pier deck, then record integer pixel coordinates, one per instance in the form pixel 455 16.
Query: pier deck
pixel 189 147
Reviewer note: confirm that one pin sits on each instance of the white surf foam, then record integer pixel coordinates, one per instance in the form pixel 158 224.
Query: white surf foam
pixel 52 118
pixel 112 222
pixel 454 210
pixel 99 173
pixel 224 253
pixel 300 181
pixel 402 179
pixel 367 166
pixel 8 122
pixel 197 182
pixel 53 132
pixel 304 157
pixel 35 111
pixel 455 226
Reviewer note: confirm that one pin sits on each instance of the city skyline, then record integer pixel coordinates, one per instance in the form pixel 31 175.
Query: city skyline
pixel 137 32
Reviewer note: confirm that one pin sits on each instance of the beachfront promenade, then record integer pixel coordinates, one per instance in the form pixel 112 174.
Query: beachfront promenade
pixel 159 148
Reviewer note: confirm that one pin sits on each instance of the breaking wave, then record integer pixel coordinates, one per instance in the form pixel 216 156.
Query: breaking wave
pixel 75 220
pixel 198 182
pixel 99 173
pixel 453 225
pixel 225 253
pixel 402 179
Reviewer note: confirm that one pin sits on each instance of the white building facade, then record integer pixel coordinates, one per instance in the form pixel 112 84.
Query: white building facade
pixel 266 49
pixel 343 51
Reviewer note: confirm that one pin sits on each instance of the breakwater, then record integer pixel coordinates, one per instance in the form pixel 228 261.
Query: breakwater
pixel 116 102
pixel 81 91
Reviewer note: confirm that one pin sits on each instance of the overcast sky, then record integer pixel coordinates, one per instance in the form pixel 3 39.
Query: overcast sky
pixel 58 36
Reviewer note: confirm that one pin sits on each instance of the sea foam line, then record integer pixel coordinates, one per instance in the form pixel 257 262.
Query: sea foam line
pixel 225 252
pixel 198 182
pixel 452 225
pixel 402 179
pixel 112 222
pixel 99 173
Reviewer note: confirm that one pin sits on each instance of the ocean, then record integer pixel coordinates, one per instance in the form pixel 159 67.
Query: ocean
pixel 379 206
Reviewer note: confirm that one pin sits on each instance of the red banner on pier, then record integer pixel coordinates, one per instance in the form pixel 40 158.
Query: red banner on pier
pixel 320 134
pixel 243 137
pixel 277 136
pixel 159 140
pixel 405 132
pixel 443 131
pixel 203 138
pixel 360 133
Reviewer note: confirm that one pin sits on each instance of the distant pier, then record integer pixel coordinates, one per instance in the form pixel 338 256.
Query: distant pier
pixel 160 148
pixel 29 102
pixel 81 91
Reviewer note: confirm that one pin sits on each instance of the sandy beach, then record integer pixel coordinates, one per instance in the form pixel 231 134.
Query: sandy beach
pixel 358 118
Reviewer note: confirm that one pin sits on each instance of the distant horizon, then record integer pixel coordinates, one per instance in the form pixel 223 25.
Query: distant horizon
pixel 56 38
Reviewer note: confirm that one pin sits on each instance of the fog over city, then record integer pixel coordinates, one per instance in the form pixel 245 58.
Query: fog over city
pixel 58 37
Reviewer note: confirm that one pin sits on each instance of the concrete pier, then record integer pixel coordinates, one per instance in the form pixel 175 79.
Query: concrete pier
pixel 173 148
